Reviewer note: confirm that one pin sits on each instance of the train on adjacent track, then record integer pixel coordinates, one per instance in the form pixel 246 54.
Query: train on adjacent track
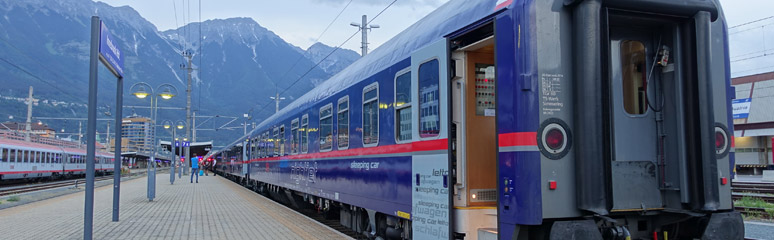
pixel 30 160
pixel 516 119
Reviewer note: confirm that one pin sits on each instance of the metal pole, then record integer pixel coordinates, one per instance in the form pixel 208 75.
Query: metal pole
pixel 363 28
pixel 152 158
pixel 188 131
pixel 193 131
pixel 107 135
pixel 91 129
pixel 28 128
pixel 180 153
pixel 117 150
pixel 172 161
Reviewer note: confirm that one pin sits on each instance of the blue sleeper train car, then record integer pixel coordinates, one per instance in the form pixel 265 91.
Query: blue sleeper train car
pixel 516 119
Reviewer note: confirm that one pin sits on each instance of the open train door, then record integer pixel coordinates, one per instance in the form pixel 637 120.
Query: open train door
pixel 430 198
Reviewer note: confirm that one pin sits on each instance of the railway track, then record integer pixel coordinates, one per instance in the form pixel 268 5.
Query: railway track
pixel 754 188
pixel 44 186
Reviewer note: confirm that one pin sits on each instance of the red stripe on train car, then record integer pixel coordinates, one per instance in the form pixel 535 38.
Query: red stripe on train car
pixel 430 145
pixel 517 139
pixel 503 4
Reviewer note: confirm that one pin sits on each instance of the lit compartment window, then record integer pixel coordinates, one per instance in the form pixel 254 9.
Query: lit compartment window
pixel 371 115
pixel 326 128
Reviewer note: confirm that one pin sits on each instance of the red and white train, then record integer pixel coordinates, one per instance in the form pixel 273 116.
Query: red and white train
pixel 29 160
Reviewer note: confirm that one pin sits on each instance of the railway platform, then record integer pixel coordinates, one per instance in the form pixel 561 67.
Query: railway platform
pixel 215 208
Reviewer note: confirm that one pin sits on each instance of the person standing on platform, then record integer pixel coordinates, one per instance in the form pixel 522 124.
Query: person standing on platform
pixel 195 169
pixel 206 167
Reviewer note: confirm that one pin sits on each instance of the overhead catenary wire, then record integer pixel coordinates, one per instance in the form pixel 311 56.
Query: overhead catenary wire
pixel 39 78
pixel 265 106
pixel 753 54
pixel 42 66
pixel 301 56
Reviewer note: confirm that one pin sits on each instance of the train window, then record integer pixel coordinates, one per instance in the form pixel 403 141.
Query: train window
pixel 294 136
pixel 266 144
pixel 4 155
pixel 326 127
pixel 253 149
pixel 12 157
pixel 343 123
pixel 371 115
pixel 403 106
pixel 259 146
pixel 304 133
pixel 634 72
pixel 26 156
pixel 256 144
pixel 275 141
pixel 429 115
pixel 282 140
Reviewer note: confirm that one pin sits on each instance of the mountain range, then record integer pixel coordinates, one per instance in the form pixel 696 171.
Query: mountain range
pixel 238 64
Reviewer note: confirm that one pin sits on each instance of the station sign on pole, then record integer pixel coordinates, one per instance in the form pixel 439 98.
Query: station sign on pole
pixel 109 53
pixel 105 49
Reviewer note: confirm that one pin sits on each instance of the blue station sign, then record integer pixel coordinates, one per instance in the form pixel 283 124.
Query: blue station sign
pixel 109 53
pixel 741 107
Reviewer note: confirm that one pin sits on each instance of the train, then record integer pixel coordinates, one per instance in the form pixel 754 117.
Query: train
pixel 31 161
pixel 516 119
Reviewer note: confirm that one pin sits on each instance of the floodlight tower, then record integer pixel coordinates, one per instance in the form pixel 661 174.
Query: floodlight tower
pixel 363 27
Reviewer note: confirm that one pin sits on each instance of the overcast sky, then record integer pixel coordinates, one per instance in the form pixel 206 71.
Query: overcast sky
pixel 301 21
pixel 298 21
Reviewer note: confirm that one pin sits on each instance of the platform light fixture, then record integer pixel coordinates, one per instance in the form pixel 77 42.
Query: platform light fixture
pixel 166 95
pixel 141 93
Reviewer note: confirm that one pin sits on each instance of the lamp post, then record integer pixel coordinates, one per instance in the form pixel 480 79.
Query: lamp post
pixel 180 172
pixel 142 90
pixel 177 125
